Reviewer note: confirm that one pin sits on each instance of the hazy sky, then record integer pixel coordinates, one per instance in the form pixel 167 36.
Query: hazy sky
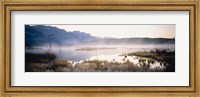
pixel 124 31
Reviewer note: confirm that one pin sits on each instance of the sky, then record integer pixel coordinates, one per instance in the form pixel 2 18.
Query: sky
pixel 124 31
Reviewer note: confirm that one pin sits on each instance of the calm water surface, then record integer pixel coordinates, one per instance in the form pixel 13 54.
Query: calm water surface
pixel 82 53
pixel 111 54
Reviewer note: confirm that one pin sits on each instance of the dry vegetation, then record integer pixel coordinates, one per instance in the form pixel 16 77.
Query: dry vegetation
pixel 165 56
pixel 48 62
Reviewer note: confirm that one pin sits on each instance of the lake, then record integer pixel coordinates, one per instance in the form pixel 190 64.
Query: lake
pixel 76 53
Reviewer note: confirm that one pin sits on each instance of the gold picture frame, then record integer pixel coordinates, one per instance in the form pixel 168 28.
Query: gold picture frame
pixel 49 5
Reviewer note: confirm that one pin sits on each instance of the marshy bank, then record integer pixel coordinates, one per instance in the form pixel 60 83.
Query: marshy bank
pixel 144 61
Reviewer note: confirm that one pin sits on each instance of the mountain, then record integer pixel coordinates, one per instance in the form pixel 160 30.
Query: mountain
pixel 40 35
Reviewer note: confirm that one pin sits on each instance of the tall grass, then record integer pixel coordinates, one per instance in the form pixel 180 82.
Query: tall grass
pixel 165 56
pixel 49 62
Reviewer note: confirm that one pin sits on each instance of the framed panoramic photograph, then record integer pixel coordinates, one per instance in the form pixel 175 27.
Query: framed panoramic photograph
pixel 100 48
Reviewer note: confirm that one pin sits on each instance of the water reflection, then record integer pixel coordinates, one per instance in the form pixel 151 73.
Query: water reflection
pixel 118 59
pixel 78 53
pixel 137 61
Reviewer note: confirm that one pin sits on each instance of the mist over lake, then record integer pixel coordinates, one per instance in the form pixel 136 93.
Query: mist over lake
pixel 77 53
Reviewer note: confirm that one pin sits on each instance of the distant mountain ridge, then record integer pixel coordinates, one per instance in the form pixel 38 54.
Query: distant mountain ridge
pixel 40 35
